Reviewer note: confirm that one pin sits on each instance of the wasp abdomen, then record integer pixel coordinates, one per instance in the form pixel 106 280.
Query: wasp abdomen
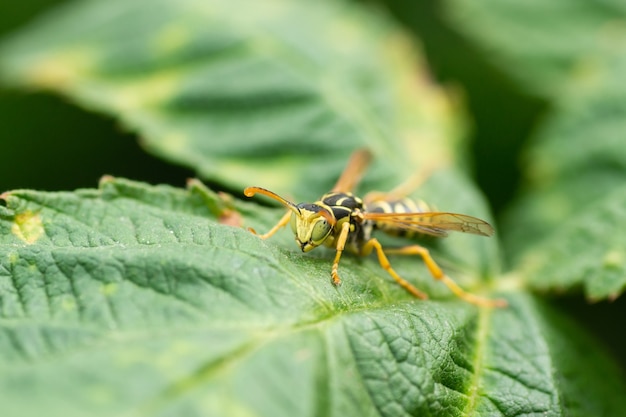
pixel 404 205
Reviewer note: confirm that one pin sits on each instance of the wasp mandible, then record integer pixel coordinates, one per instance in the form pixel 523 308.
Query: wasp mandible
pixel 341 220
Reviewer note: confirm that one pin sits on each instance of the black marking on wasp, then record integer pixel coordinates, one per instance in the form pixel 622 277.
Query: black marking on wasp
pixel 341 220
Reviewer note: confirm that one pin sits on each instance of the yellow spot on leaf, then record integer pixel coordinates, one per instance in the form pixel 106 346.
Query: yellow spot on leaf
pixel 614 259
pixel 137 94
pixel 175 142
pixel 28 227
pixel 109 289
pixel 60 69
pixel 68 304
pixel 13 258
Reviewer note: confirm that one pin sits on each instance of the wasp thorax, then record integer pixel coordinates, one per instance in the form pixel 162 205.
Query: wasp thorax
pixel 311 224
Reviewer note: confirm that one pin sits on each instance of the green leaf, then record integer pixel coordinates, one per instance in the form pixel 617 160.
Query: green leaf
pixel 134 300
pixel 264 94
pixel 139 300
pixel 539 363
pixel 576 168
pixel 577 157
pixel 547 46
pixel 584 252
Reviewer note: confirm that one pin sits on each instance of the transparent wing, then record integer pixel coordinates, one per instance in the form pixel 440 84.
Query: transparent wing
pixel 358 163
pixel 432 223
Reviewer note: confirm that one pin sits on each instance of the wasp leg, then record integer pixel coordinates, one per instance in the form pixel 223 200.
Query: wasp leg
pixel 438 274
pixel 353 172
pixel 403 189
pixel 282 222
pixel 374 244
pixel 341 243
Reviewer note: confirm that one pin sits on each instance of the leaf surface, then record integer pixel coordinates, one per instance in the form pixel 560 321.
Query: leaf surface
pixel 133 300
pixel 550 47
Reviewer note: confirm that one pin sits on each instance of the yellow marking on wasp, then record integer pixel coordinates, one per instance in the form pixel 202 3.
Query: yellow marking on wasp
pixel 28 227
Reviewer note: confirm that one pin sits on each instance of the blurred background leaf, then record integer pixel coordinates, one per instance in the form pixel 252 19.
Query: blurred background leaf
pixel 236 96
pixel 549 47
pixel 574 55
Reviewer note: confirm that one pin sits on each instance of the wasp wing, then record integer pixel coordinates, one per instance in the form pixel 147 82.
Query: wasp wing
pixel 358 163
pixel 432 223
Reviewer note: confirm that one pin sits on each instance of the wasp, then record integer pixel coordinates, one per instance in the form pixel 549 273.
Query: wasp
pixel 343 221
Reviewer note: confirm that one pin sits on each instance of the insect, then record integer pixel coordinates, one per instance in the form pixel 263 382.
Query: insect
pixel 341 220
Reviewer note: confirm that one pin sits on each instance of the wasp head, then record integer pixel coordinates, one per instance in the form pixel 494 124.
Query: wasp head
pixel 311 224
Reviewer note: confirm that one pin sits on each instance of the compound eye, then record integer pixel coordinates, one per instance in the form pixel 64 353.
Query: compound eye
pixel 321 230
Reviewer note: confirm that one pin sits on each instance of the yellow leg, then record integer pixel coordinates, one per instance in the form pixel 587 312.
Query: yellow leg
pixel 404 189
pixel 341 243
pixel 374 244
pixel 282 222
pixel 438 274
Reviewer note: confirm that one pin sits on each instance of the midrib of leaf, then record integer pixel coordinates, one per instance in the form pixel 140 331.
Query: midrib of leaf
pixel 482 333
pixel 236 357
pixel 541 369
pixel 546 348
pixel 208 370
pixel 222 363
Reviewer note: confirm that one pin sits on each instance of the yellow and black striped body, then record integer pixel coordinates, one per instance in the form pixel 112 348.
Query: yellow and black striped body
pixel 403 205
pixel 347 207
